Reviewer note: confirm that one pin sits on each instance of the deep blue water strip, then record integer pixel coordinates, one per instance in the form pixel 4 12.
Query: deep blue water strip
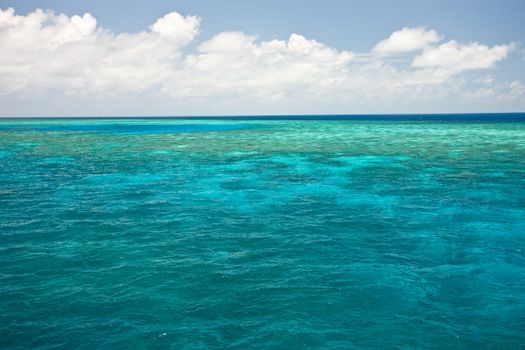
pixel 466 117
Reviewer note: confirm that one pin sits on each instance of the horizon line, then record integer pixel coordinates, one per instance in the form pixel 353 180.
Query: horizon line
pixel 269 116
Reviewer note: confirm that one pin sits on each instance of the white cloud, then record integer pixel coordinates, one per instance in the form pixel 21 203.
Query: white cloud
pixel 45 51
pixel 53 57
pixel 484 93
pixel 517 88
pixel 177 28
pixel 407 40
pixel 504 92
pixel 486 80
pixel 456 56
pixel 232 62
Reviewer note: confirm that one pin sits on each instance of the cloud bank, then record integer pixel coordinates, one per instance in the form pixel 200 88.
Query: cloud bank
pixel 48 56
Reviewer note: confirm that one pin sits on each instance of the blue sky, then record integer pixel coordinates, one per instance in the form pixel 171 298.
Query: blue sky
pixel 262 57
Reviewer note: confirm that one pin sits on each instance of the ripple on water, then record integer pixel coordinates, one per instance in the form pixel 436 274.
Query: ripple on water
pixel 279 235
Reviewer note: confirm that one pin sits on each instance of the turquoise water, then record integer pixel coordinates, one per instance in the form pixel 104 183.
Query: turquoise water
pixel 282 234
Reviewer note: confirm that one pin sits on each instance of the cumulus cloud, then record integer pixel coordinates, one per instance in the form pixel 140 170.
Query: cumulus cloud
pixel 178 28
pixel 45 54
pixel 47 51
pixel 407 40
pixel 232 62
pixel 457 56
pixel 43 50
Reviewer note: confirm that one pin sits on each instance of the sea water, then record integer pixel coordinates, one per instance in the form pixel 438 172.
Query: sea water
pixel 348 233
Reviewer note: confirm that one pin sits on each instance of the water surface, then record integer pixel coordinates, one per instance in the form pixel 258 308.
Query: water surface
pixel 274 234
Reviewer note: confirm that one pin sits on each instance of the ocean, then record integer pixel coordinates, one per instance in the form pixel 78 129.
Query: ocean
pixel 298 232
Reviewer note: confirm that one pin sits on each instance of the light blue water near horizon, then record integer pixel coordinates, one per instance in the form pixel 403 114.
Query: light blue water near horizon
pixel 275 234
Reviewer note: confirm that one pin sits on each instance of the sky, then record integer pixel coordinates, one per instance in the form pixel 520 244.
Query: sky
pixel 232 57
